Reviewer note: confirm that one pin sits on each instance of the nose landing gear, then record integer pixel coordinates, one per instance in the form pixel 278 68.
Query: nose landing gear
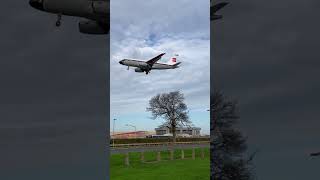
pixel 58 22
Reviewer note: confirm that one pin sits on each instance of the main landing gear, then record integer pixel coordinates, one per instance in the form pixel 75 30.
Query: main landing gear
pixel 147 72
pixel 58 22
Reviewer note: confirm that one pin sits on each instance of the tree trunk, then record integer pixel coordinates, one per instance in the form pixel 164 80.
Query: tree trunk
pixel 174 133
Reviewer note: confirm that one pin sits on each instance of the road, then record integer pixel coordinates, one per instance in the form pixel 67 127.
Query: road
pixel 157 148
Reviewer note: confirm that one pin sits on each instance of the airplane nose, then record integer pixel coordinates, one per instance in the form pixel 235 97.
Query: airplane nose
pixel 38 4
pixel 121 62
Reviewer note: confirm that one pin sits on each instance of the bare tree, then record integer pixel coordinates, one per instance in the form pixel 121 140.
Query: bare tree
pixel 171 107
pixel 228 146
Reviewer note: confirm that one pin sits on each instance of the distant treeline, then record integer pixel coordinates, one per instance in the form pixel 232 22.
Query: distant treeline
pixel 155 140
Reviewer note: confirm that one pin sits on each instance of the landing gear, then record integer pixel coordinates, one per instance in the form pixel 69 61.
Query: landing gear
pixel 58 22
pixel 147 72
pixel 128 68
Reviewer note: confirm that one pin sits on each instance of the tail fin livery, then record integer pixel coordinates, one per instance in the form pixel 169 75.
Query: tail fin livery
pixel 173 60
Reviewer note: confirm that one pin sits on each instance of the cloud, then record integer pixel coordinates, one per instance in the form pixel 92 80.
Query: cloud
pixel 179 28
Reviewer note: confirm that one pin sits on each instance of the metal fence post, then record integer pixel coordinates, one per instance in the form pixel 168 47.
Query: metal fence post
pixel 202 153
pixel 193 153
pixel 142 156
pixel 171 154
pixel 159 156
pixel 126 159
pixel 182 154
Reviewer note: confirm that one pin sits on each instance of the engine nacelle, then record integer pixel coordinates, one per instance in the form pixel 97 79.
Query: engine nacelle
pixel 138 70
pixel 92 27
pixel 101 7
pixel 216 17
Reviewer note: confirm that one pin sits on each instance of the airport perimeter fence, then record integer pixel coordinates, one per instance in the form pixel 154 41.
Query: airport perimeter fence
pixel 157 156
pixel 166 144
pixel 155 140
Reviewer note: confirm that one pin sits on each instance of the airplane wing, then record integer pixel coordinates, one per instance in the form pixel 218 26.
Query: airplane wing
pixel 217 7
pixel 155 59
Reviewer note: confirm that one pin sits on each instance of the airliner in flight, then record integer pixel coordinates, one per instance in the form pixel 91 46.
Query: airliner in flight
pixel 152 64
pixel 215 8
pixel 96 13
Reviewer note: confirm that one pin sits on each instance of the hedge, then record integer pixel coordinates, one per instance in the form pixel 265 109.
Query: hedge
pixel 155 140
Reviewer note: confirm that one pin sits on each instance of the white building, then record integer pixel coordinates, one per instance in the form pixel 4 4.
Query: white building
pixel 180 131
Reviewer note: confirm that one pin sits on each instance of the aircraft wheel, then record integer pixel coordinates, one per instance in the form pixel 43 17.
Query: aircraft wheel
pixel 58 23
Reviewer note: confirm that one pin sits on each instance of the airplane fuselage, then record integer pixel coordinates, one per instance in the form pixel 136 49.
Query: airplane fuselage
pixel 142 66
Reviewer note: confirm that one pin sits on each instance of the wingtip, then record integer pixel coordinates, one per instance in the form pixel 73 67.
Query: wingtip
pixel 224 3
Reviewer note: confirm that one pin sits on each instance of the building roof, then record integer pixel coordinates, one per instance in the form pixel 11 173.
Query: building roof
pixel 132 132
pixel 178 128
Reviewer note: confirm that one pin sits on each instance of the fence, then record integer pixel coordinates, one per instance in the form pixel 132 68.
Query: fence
pixel 157 144
pixel 158 156
pixel 159 149
pixel 155 140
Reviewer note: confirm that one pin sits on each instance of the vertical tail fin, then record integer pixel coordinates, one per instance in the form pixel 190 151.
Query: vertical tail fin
pixel 173 60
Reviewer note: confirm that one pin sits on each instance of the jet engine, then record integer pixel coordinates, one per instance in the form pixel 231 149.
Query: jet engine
pixel 101 7
pixel 92 27
pixel 216 17
pixel 138 70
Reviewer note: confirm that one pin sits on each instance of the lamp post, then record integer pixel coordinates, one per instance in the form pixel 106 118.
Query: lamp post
pixel 135 129
pixel 114 121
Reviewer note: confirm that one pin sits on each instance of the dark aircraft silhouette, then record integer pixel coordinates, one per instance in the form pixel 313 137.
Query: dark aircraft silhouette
pixel 215 8
pixel 96 12
pixel 315 154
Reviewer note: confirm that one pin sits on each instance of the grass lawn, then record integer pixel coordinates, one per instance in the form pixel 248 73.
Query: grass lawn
pixel 178 169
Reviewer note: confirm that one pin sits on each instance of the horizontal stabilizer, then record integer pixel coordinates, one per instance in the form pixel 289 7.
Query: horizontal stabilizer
pixel 177 64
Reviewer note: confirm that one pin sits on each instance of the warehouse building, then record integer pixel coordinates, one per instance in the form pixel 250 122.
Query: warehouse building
pixel 191 131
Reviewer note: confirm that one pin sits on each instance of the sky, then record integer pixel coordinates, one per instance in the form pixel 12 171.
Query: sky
pixel 142 30
pixel 265 55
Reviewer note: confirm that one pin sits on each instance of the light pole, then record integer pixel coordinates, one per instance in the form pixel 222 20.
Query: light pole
pixel 114 121
pixel 135 129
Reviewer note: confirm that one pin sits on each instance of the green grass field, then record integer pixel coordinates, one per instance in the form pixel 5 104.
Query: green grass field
pixel 178 169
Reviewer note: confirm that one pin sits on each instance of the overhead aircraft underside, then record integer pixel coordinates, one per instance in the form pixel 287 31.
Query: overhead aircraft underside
pixel 97 13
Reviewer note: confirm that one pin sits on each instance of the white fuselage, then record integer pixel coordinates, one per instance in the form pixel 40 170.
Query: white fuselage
pixel 145 66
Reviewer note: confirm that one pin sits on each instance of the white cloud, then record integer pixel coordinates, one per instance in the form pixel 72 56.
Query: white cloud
pixel 142 30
